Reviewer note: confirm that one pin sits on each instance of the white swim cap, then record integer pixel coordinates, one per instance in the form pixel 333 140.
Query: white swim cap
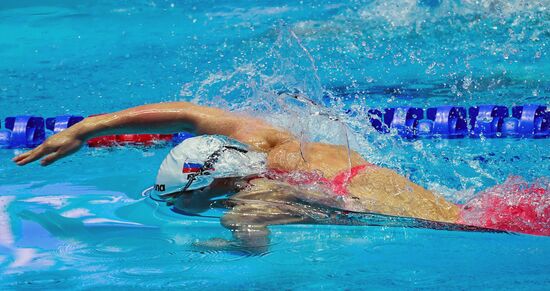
pixel 197 161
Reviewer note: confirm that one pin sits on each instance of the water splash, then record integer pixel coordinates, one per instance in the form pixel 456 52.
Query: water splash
pixel 515 206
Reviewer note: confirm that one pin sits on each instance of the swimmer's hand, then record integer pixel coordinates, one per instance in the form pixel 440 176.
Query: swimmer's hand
pixel 53 149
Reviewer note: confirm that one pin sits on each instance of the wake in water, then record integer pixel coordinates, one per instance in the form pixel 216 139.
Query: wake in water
pixel 515 205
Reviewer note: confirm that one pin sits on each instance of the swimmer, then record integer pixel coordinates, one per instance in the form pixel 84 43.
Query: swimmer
pixel 276 178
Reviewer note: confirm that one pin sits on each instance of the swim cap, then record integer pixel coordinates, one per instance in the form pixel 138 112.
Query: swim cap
pixel 197 161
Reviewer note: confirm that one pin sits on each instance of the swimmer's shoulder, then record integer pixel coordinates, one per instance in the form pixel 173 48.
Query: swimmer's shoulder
pixel 262 137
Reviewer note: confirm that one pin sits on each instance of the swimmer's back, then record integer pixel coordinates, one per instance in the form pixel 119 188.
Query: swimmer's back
pixel 374 189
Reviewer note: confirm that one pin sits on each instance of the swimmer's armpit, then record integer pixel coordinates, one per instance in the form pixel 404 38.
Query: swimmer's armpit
pixel 156 118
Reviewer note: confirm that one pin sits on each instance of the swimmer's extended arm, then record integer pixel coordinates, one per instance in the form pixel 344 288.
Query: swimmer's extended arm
pixel 158 118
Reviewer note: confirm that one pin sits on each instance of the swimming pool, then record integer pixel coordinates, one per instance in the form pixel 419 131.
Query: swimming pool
pixel 83 223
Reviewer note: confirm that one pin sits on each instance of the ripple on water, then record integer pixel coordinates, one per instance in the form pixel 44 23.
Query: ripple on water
pixel 41 280
pixel 102 252
pixel 122 244
pixel 144 262
pixel 208 260
pixel 316 244
pixel 164 268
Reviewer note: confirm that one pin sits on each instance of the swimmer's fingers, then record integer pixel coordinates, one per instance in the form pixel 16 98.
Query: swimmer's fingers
pixel 21 156
pixel 32 155
pixel 51 158
pixel 60 153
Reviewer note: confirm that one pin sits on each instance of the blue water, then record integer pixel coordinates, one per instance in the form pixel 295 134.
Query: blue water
pixel 82 223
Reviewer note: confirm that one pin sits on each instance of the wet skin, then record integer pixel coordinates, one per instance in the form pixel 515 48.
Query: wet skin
pixel 262 202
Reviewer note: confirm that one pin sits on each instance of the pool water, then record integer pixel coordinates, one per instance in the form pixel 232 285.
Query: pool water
pixel 82 223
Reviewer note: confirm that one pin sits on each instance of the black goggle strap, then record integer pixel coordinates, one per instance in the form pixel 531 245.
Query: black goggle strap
pixel 209 164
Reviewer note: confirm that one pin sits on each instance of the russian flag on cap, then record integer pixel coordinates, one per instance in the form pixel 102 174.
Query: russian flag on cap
pixel 191 168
